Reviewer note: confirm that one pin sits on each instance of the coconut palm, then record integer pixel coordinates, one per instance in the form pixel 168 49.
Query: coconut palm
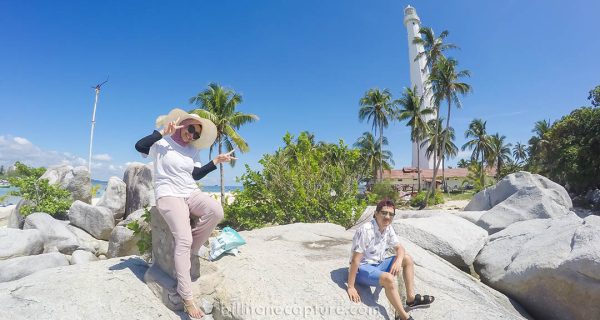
pixel 218 104
pixel 413 112
pixel 519 152
pixel 462 163
pixel 499 152
pixel 450 150
pixel 479 144
pixel 446 86
pixel 377 107
pixel 433 47
pixel 372 155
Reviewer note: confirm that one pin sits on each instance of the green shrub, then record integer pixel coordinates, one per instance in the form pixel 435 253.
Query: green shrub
pixel 419 199
pixel 301 182
pixel 41 196
pixel 381 190
pixel 143 232
pixel 95 189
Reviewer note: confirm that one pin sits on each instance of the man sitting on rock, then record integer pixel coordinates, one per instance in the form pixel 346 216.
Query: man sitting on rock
pixel 369 267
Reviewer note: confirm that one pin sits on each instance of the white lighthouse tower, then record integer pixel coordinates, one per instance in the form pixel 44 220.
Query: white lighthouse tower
pixel 418 78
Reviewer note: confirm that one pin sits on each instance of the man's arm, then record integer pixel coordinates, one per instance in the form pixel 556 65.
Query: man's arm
pixel 352 293
pixel 397 265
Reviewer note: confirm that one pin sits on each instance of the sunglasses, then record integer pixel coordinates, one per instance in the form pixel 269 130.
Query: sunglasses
pixel 385 213
pixel 192 130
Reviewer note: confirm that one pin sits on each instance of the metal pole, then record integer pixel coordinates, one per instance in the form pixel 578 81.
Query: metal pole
pixel 92 132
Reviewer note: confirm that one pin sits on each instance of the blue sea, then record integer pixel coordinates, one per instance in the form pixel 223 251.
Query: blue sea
pixel 13 200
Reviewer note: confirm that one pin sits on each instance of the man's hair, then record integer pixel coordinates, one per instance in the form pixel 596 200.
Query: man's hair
pixel 385 203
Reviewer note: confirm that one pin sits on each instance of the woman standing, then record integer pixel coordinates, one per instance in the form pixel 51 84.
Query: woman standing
pixel 174 151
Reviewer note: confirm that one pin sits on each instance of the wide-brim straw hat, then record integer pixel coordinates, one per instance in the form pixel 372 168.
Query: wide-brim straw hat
pixel 209 130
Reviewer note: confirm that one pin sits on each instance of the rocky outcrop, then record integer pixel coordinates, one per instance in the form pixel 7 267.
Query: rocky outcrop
pixel 551 266
pixel 17 243
pixel 17 268
pixel 140 190
pixel 77 180
pixel 313 260
pixel 520 196
pixel 452 238
pixel 114 197
pixel 122 243
pixel 97 221
pixel 82 256
pixel 105 289
pixel 54 232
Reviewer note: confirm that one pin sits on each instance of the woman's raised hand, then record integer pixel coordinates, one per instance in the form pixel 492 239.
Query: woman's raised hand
pixel 170 128
pixel 224 157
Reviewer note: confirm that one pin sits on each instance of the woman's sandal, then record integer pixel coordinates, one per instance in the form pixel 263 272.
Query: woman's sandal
pixel 425 300
pixel 187 307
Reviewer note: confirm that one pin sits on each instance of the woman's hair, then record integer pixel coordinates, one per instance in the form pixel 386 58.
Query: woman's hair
pixel 385 203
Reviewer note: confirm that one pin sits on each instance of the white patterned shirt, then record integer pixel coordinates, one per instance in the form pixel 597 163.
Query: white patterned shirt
pixel 372 243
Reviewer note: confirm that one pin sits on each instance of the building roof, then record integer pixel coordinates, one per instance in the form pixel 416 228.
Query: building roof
pixel 411 173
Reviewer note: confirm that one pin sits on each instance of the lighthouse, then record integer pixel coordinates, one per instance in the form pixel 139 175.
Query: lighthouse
pixel 418 78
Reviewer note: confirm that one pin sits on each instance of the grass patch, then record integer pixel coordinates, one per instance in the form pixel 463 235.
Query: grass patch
pixel 466 195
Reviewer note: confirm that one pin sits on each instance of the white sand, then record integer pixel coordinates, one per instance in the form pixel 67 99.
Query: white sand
pixel 229 197
pixel 457 205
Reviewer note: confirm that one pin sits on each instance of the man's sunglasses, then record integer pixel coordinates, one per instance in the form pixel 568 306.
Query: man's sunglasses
pixel 385 213
pixel 192 130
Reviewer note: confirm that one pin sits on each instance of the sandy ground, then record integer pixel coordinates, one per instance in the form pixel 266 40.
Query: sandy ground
pixel 452 205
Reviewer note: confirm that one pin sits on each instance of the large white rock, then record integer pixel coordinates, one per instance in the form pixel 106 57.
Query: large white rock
pixel 114 197
pixel 520 196
pixel 5 213
pixel 16 219
pixel 54 232
pixel 109 289
pixel 452 238
pixel 77 180
pixel 88 242
pixel 16 268
pixel 140 189
pixel 300 271
pixel 97 221
pixel 18 243
pixel 122 243
pixel 551 266
pixel 82 256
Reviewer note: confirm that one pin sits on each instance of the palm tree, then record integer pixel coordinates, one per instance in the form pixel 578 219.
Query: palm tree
pixel 499 152
pixel 372 154
pixel 377 107
pixel 462 163
pixel 450 150
pixel 446 85
pixel 538 143
pixel 413 111
pixel 519 152
pixel 218 104
pixel 480 143
pixel 433 47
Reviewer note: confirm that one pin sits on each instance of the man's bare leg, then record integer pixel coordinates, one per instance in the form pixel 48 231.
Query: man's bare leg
pixel 408 273
pixel 389 283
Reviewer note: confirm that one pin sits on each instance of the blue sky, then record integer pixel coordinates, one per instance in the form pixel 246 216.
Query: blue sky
pixel 300 65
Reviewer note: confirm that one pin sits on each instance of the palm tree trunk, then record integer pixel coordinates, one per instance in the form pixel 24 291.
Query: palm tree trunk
pixel 441 155
pixel 431 189
pixel 222 176
pixel 445 186
pixel 419 166
pixel 380 152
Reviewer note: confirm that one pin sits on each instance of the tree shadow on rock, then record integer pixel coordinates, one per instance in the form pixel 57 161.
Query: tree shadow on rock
pixel 136 265
pixel 367 296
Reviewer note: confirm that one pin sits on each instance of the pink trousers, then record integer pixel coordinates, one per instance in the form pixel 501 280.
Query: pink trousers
pixel 177 212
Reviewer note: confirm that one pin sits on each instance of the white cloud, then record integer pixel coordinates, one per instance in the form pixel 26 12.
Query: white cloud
pixel 14 149
pixel 102 157
pixel 22 141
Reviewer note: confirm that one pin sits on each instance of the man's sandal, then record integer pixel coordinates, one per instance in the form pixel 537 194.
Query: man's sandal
pixel 420 301
pixel 187 307
pixel 398 317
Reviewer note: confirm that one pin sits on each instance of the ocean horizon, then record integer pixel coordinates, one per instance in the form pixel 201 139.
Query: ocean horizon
pixel 13 200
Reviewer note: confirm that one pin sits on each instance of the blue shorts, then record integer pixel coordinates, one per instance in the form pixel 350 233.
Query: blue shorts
pixel 369 274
